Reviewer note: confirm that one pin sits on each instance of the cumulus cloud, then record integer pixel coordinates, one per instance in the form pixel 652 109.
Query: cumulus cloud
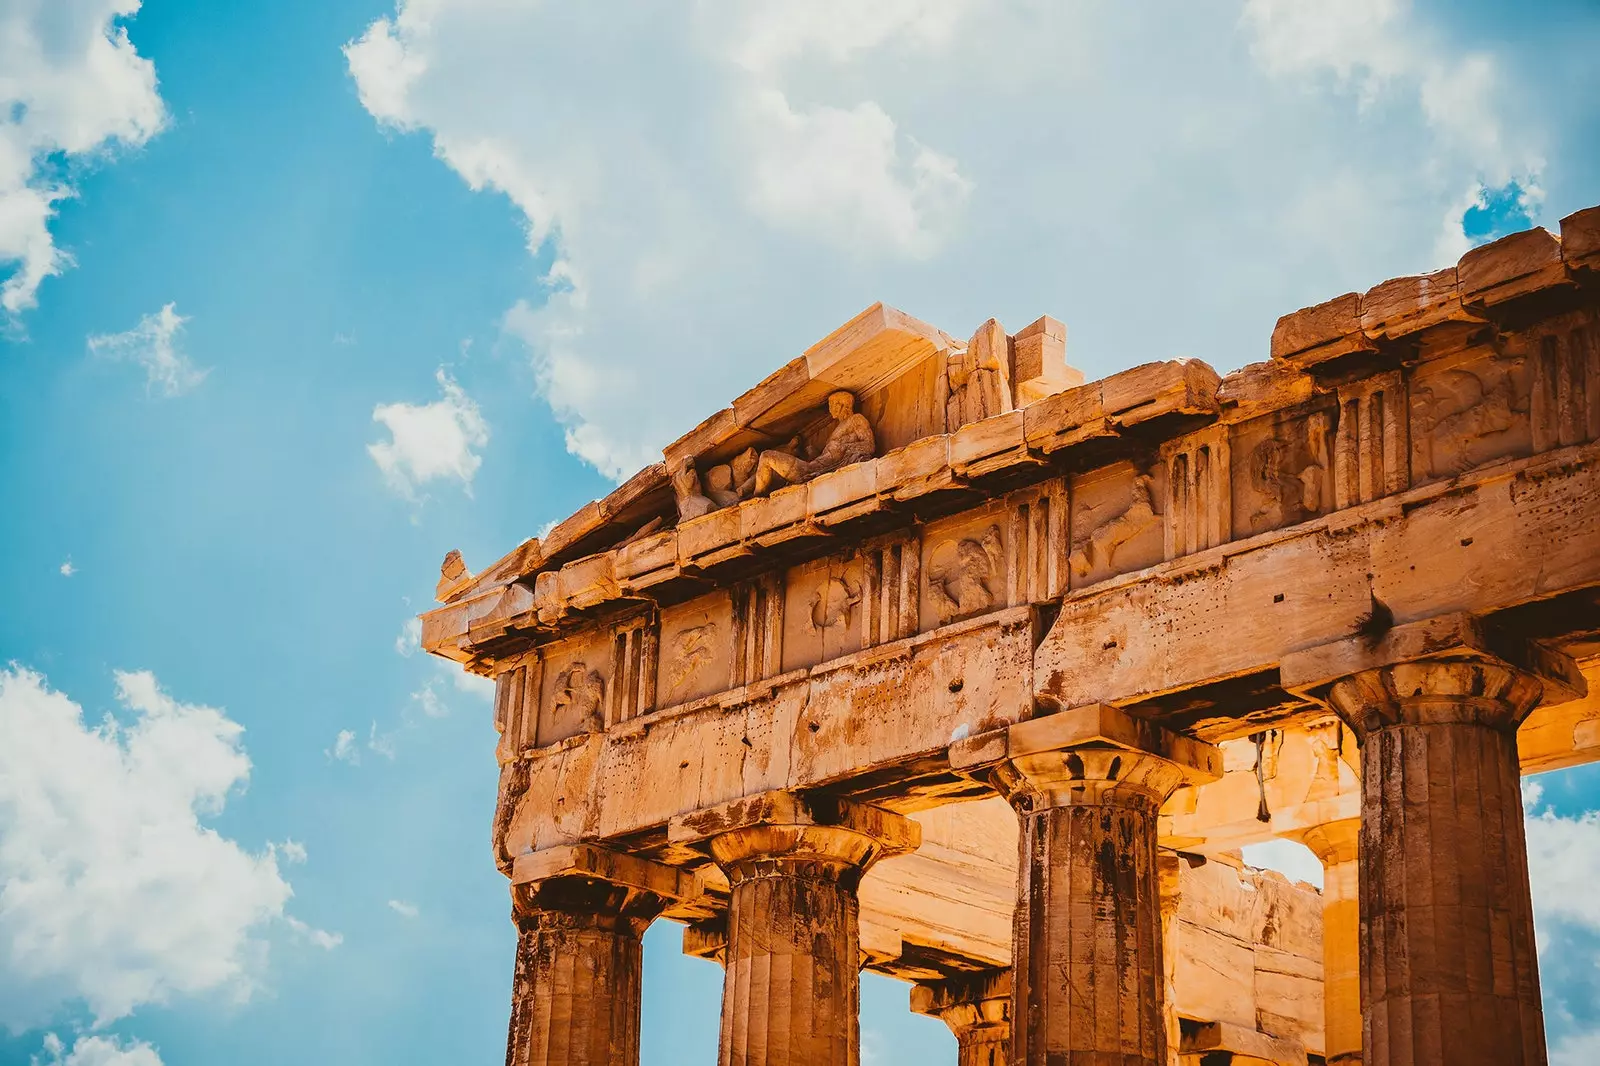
pixel 409 640
pixel 97 1051
pixel 155 344
pixel 67 569
pixel 1564 867
pixel 431 441
pixel 715 188
pixel 113 889
pixel 72 90
pixel 403 909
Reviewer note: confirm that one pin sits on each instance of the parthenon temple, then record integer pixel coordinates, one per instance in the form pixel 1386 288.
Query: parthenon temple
pixel 928 657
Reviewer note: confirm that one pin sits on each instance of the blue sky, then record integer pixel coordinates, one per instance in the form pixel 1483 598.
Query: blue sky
pixel 535 244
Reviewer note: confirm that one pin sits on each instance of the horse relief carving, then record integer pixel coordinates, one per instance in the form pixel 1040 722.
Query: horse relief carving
pixel 1099 546
pixel 960 573
pixel 833 603
pixel 691 649
pixel 580 692
pixel 1463 416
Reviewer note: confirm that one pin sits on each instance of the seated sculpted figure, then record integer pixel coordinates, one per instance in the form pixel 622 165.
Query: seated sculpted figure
pixel 849 441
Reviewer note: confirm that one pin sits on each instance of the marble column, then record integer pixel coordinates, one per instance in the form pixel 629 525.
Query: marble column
pixel 977 1008
pixel 1448 968
pixel 1088 974
pixel 1336 845
pixel 1169 870
pixel 791 990
pixel 575 993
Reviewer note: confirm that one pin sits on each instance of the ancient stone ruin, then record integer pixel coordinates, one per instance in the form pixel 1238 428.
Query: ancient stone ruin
pixel 927 657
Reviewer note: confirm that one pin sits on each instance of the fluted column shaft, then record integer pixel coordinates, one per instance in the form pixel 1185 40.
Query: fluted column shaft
pixel 1168 875
pixel 791 990
pixel 1088 976
pixel 791 993
pixel 576 989
pixel 1336 844
pixel 1449 972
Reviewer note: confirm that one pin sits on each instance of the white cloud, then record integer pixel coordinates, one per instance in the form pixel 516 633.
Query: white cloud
pixel 403 909
pixel 320 938
pixel 1564 860
pixel 430 442
pixel 475 685
pixel 410 638
pixel 115 891
pixel 1576 1049
pixel 380 743
pixel 718 186
pixel 97 1051
pixel 67 569
pixel 72 89
pixel 427 697
pixel 292 851
pixel 344 748
pixel 155 345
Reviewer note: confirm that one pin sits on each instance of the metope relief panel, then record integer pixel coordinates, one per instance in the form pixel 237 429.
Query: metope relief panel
pixel 1282 468
pixel 1564 407
pixel 1116 520
pixel 574 686
pixel 1468 409
pixel 964 565
pixel 696 649
pixel 1198 511
pixel 823 614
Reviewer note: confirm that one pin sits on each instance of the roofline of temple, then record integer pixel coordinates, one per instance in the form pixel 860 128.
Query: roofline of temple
pixel 579 566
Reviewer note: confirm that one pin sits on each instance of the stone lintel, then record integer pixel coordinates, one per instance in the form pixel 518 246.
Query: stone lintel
pixel 889 833
pixel 593 863
pixel 1249 1047
pixel 1097 725
pixel 1454 637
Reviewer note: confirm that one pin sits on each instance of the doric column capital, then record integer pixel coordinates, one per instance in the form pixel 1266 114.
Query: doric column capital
pixel 587 886
pixel 1334 843
pixel 1451 669
pixel 803 835
pixel 1097 754
pixel 973 1005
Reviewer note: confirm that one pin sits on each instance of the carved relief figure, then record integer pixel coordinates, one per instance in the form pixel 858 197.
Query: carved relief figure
pixel 580 692
pixel 692 502
pixel 729 483
pixel 849 441
pixel 976 383
pixel 691 649
pixel 832 603
pixel 1288 481
pixel 1463 415
pixel 959 573
pixel 1100 546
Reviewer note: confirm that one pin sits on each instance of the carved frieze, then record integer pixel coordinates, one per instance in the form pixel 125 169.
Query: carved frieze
pixel 1469 409
pixel 696 649
pixel 823 615
pixel 574 684
pixel 1282 469
pixel 1116 523
pixel 1371 451
pixel 963 574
